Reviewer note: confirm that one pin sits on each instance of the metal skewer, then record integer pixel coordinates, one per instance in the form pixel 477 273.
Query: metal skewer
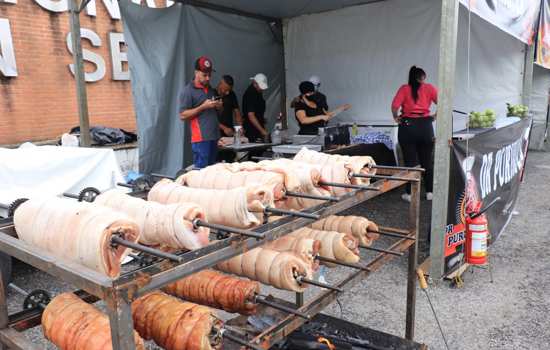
pixel 334 261
pixel 357 187
pixel 262 300
pixel 224 333
pixel 304 280
pixel 117 240
pixel 122 184
pixel 311 196
pixel 391 234
pixel 163 176
pixel 384 177
pixel 70 195
pixel 198 223
pixel 392 252
pixel 292 213
pixel 397 168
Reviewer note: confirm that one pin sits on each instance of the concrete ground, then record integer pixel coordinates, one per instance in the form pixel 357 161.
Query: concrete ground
pixel 512 312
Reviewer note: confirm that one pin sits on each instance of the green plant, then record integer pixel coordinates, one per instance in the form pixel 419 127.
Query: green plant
pixel 484 119
pixel 517 110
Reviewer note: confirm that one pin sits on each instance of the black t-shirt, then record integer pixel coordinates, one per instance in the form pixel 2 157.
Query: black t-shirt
pixel 321 100
pixel 230 103
pixel 253 101
pixel 309 129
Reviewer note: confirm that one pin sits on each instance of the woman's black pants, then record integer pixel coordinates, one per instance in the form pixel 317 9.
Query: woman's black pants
pixel 416 138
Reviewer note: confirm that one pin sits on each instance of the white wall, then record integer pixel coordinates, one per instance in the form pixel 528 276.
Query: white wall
pixel 363 55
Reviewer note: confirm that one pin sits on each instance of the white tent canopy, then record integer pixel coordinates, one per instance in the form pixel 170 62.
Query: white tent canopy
pixel 362 50
pixel 363 55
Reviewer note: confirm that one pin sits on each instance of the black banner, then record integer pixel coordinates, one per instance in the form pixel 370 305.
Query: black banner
pixel 485 167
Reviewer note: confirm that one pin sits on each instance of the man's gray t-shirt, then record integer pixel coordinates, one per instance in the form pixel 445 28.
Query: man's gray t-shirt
pixel 204 126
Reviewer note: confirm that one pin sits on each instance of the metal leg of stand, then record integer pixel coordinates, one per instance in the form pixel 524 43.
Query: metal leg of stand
pixel 3 309
pixel 299 299
pixel 120 318
pixel 414 223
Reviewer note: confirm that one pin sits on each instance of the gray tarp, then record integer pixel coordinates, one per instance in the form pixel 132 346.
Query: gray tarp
pixel 539 108
pixel 162 47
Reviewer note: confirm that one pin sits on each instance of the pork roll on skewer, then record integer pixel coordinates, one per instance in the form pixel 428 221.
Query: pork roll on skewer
pixel 278 269
pixel 305 248
pixel 359 227
pixel 77 231
pixel 174 324
pixel 307 178
pixel 280 175
pixel 357 164
pixel 241 207
pixel 334 245
pixel 218 290
pixel 168 225
pixel 223 176
pixel 72 324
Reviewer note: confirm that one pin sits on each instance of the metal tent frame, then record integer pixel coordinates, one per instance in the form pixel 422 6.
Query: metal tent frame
pixel 447 72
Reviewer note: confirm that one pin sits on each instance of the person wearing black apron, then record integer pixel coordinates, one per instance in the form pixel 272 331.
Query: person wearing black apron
pixel 411 110
pixel 309 114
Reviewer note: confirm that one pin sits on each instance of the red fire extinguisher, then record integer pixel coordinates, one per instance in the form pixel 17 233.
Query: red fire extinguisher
pixel 477 233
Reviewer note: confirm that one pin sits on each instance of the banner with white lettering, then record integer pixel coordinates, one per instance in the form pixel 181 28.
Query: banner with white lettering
pixel 516 17
pixel 485 167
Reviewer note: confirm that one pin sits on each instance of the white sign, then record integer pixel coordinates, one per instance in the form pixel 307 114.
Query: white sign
pixel 118 57
pixel 8 66
pixel 88 55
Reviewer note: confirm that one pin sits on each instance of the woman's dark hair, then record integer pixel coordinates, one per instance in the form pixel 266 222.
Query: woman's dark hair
pixel 306 87
pixel 415 74
pixel 228 79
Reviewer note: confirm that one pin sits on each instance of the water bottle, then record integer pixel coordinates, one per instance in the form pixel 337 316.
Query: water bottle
pixel 276 137
pixel 237 135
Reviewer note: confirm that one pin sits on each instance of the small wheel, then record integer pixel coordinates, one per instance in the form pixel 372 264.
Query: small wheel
pixel 147 260
pixel 36 298
pixel 14 205
pixel 142 183
pixel 220 235
pixel 88 194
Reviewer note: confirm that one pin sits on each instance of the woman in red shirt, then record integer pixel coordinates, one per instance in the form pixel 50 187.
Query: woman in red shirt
pixel 411 110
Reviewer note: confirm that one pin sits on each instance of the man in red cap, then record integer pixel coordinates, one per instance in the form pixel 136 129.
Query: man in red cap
pixel 198 105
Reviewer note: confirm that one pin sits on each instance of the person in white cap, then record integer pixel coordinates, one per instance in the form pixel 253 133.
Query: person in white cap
pixel 254 109
pixel 319 97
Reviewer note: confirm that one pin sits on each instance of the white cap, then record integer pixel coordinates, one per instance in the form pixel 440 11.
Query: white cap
pixel 315 80
pixel 261 80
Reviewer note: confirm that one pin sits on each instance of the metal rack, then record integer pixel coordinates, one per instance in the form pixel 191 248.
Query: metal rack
pixel 119 293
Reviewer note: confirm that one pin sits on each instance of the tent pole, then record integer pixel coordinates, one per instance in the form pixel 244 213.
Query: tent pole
pixel 283 78
pixel 447 68
pixel 528 74
pixel 81 95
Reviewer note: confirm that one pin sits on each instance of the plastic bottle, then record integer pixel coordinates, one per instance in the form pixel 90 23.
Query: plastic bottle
pixel 237 135
pixel 354 130
pixel 276 137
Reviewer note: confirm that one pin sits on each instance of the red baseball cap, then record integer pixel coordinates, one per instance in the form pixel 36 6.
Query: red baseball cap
pixel 204 64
